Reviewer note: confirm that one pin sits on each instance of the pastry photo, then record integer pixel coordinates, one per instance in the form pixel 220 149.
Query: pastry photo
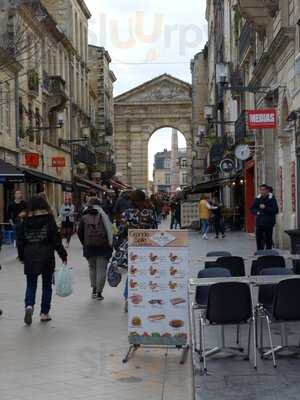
pixel 176 323
pixel 136 321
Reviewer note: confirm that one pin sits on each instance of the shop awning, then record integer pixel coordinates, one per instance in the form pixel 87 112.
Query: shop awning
pixel 83 182
pixel 39 176
pixel 211 186
pixel 10 173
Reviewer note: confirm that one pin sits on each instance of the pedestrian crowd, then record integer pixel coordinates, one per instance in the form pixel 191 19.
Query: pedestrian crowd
pixel 102 225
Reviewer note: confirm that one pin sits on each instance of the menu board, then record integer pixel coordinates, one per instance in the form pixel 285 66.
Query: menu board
pixel 157 282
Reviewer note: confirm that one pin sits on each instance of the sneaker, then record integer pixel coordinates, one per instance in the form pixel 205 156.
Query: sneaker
pixel 205 237
pixel 99 296
pixel 223 236
pixel 45 318
pixel 28 315
pixel 217 237
pixel 94 293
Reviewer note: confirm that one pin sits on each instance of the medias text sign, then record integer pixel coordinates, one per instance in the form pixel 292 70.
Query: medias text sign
pixel 262 119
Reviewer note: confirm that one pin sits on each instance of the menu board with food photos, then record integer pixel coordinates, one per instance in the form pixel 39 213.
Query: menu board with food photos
pixel 157 281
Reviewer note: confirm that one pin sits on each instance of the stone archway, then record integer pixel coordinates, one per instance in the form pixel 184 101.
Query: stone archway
pixel 164 101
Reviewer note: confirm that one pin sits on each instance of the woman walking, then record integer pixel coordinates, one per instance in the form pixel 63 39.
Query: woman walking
pixel 67 217
pixel 204 214
pixel 39 238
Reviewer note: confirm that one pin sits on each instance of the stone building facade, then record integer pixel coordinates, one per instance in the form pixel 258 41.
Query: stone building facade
pixel 256 45
pixel 163 177
pixel 102 79
pixel 51 93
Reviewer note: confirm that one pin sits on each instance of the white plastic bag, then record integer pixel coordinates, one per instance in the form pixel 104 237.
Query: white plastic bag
pixel 63 281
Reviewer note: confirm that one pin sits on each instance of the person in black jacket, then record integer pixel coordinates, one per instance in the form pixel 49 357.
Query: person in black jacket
pixel 97 245
pixel 265 208
pixel 38 239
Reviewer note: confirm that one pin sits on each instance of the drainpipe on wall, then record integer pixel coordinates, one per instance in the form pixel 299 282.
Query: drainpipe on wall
pixel 17 116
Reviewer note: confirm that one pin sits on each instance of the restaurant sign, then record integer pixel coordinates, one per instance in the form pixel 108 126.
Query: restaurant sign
pixel 31 160
pixel 262 119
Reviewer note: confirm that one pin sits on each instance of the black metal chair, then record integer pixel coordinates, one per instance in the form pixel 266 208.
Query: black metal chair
pixel 215 254
pixel 218 254
pixel 202 292
pixel 266 296
pixel 224 309
pixel 285 309
pixel 267 262
pixel 235 265
pixel 266 253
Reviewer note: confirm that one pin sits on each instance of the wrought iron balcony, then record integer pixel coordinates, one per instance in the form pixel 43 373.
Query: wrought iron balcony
pixel 83 155
pixel 33 82
pixel 245 41
pixel 55 88
pixel 240 127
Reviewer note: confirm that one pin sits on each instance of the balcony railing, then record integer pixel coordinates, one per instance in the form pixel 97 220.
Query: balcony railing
pixel 83 155
pixel 55 88
pixel 53 84
pixel 240 127
pixel 245 40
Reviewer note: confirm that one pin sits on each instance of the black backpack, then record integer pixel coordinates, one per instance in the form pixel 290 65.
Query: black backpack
pixel 95 234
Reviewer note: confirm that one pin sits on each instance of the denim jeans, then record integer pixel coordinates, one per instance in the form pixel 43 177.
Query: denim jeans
pixel 30 294
pixel 204 224
pixel 174 222
pixel 125 293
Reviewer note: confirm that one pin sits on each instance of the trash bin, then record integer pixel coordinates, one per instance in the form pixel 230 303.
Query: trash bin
pixel 294 235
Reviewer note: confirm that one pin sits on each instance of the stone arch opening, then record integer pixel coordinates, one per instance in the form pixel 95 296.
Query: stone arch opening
pixel 164 101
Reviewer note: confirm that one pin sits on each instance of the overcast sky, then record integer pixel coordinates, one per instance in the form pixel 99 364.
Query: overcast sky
pixel 147 38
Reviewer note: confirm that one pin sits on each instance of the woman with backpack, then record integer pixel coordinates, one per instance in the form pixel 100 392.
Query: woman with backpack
pixel 95 235
pixel 38 239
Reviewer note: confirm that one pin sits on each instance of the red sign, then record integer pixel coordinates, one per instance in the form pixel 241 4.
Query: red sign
pixel 58 162
pixel 262 119
pixel 32 160
pixel 293 185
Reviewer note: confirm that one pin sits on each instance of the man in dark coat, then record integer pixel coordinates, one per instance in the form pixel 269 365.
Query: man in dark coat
pixel 38 239
pixel 265 209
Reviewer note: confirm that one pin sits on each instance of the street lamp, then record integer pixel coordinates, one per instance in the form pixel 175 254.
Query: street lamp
pixel 222 73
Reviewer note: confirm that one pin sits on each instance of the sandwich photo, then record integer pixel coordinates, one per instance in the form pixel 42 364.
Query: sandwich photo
pixel 157 317
pixel 177 300
pixel 156 301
